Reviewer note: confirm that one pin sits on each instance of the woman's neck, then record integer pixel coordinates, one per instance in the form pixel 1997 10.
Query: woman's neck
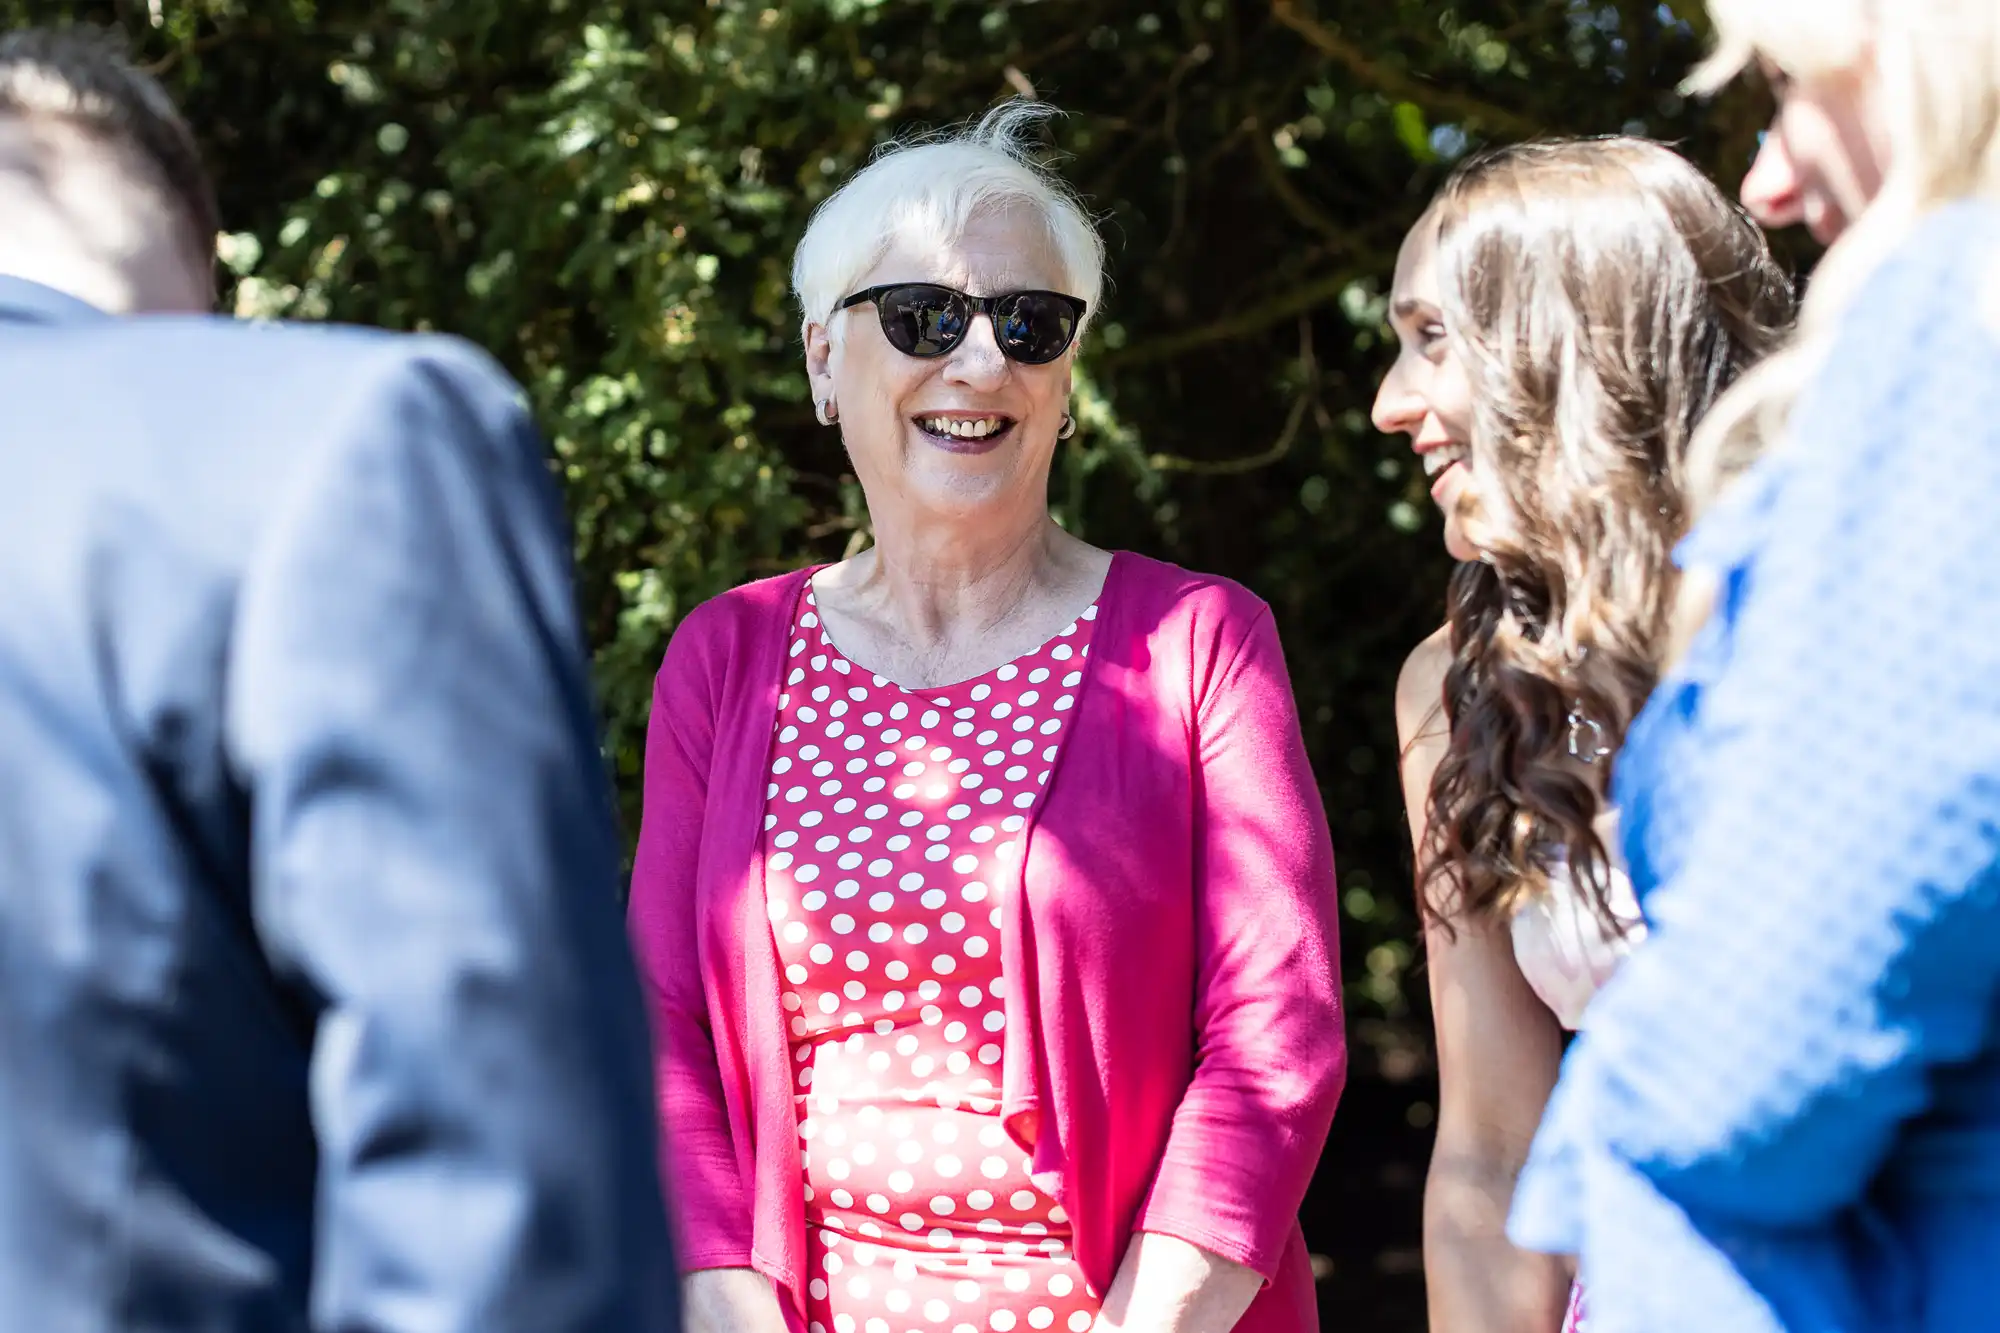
pixel 944 582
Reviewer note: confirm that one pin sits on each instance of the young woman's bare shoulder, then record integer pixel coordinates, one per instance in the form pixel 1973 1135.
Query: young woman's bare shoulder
pixel 1420 690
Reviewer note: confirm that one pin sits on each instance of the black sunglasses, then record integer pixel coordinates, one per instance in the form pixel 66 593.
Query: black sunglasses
pixel 926 319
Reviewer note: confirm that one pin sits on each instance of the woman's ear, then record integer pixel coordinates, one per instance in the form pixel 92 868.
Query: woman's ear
pixel 819 362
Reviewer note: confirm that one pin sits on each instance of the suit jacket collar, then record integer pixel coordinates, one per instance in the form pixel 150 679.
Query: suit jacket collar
pixel 24 302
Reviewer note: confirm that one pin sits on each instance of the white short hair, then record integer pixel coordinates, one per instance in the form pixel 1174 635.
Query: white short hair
pixel 935 187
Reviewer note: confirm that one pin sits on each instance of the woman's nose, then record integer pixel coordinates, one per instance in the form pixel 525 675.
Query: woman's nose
pixel 1398 410
pixel 977 360
pixel 1771 190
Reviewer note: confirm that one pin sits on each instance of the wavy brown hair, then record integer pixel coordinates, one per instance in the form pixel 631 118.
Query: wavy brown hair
pixel 1601 294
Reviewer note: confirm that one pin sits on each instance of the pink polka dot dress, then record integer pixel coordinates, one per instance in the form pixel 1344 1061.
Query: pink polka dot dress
pixel 891 817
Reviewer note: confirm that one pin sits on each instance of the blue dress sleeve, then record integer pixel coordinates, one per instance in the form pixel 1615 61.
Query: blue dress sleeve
pixel 1830 935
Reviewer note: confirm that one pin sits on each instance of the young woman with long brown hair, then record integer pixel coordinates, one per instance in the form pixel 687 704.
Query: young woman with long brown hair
pixel 1567 311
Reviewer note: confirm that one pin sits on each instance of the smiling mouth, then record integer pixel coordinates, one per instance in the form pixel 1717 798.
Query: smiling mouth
pixel 966 433
pixel 1438 462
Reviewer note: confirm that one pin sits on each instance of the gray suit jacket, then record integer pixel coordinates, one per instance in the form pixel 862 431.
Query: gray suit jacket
pixel 315 1006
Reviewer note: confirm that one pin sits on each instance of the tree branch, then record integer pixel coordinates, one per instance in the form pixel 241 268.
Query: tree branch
pixel 1301 208
pixel 1295 301
pixel 1308 397
pixel 1397 84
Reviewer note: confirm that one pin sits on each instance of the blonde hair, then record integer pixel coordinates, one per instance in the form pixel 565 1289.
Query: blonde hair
pixel 934 187
pixel 1937 71
pixel 1602 294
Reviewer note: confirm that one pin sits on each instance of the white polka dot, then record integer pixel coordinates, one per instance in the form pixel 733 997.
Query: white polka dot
pixel 1016 1279
pixel 1080 1321
pixel 795 933
pixel 847 888
pixel 949 1166
pixel 1041 1317
pixel 944 965
pixel 937 1311
pixel 807 874
pixel 973 892
pixel 842 924
pixel 965 865
pixel 821 953
pixel 1002 709
pixel 1001 1321
pixel 915 933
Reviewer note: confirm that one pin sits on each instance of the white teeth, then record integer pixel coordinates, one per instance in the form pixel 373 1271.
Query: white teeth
pixel 962 428
pixel 1437 460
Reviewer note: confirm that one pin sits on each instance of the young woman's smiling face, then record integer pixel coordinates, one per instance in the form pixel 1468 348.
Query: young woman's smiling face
pixel 1427 394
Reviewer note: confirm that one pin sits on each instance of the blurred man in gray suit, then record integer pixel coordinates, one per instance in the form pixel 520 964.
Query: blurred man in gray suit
pixel 315 1006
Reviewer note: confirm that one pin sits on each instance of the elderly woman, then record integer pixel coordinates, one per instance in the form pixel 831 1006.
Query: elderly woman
pixel 984 894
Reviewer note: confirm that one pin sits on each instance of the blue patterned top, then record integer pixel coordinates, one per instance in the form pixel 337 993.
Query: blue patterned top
pixel 1785 1113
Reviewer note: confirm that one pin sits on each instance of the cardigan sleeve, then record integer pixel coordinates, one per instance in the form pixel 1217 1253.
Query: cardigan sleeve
pixel 1271 1056
pixel 713 1204
pixel 1829 941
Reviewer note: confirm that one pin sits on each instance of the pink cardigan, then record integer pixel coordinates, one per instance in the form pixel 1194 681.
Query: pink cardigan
pixel 1174 1048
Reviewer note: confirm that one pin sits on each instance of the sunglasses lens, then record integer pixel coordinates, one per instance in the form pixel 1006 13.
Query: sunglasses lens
pixel 1035 328
pixel 922 320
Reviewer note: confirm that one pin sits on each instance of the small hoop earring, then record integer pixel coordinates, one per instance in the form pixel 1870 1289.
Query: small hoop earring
pixel 1068 427
pixel 1586 736
pixel 826 411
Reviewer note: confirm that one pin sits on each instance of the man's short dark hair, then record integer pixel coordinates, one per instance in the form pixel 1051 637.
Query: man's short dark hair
pixel 81 76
